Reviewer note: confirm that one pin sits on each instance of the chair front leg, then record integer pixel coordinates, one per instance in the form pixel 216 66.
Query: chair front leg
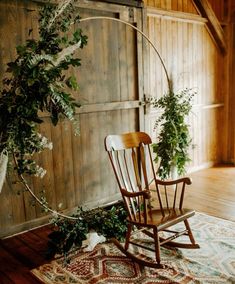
pixel 157 245
pixel 128 235
pixel 190 234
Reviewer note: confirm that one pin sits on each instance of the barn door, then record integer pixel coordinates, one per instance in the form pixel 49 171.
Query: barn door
pixel 111 89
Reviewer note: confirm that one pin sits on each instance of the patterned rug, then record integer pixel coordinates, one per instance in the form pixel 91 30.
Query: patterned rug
pixel 213 263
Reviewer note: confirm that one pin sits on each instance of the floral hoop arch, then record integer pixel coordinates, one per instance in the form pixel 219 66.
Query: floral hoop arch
pixel 23 180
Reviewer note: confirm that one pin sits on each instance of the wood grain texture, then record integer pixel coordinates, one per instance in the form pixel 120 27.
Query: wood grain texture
pixel 212 192
pixel 229 152
pixel 172 5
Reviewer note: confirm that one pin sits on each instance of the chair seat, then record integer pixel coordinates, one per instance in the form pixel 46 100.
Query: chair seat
pixel 172 216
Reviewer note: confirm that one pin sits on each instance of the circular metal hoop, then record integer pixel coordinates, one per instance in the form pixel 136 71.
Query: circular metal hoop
pixel 140 32
pixel 23 180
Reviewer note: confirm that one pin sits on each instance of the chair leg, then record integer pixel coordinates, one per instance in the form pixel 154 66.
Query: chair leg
pixel 128 235
pixel 157 245
pixel 140 261
pixel 190 234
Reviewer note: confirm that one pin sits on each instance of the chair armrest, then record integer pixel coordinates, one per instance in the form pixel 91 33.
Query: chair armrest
pixel 145 193
pixel 186 180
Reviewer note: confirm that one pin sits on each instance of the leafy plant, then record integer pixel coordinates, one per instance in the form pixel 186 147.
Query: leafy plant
pixel 69 234
pixel 37 82
pixel 174 138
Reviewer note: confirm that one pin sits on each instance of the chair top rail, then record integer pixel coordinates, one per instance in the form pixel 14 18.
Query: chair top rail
pixel 127 140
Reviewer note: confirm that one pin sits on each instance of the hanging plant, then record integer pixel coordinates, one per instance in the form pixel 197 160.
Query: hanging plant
pixel 174 140
pixel 36 82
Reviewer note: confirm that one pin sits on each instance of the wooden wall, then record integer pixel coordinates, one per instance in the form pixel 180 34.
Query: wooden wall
pixel 179 5
pixel 115 74
pixel 78 169
pixel 193 61
pixel 230 27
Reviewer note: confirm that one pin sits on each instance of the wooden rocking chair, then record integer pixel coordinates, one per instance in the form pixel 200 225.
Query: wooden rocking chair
pixel 132 163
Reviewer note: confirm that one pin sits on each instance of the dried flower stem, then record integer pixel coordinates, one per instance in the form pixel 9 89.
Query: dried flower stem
pixel 61 7
pixel 65 52
pixel 24 182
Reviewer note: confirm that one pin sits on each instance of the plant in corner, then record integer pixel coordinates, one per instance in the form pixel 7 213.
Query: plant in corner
pixel 174 139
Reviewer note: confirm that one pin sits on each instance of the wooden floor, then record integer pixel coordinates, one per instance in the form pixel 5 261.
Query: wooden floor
pixel 212 192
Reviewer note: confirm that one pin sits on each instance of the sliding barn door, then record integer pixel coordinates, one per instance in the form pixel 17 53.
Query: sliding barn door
pixel 110 90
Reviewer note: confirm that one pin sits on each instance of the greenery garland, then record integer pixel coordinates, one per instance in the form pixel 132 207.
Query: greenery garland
pixel 67 234
pixel 37 82
pixel 174 137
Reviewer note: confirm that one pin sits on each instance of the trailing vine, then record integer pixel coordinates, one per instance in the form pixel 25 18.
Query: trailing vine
pixel 174 137
pixel 36 82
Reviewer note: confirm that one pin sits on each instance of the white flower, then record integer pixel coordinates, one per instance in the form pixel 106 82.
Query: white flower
pixel 40 172
pixel 60 205
pixel 44 140
pixel 54 214
pixel 45 143
pixel 50 145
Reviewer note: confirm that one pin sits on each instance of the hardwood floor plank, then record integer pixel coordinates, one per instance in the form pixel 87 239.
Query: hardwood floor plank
pixel 212 192
pixel 23 253
pixel 35 242
pixel 13 270
pixel 43 232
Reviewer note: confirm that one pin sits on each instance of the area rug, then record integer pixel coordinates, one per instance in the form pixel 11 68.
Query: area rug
pixel 213 263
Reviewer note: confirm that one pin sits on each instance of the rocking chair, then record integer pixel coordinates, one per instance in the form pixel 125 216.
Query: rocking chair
pixel 153 206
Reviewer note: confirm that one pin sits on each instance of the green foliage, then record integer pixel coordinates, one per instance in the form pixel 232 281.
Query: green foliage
pixel 69 234
pixel 174 137
pixel 37 82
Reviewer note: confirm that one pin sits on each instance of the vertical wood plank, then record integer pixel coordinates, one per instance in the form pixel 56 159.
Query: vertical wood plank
pixel 77 150
pixel 151 3
pixel 185 6
pixel 174 5
pixel 69 187
pixel 58 167
pixel 180 74
pixel 180 5
pixel 174 44
pixel 157 3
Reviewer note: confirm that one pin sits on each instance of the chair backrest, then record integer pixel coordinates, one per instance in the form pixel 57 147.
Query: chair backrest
pixel 127 155
pixel 131 159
